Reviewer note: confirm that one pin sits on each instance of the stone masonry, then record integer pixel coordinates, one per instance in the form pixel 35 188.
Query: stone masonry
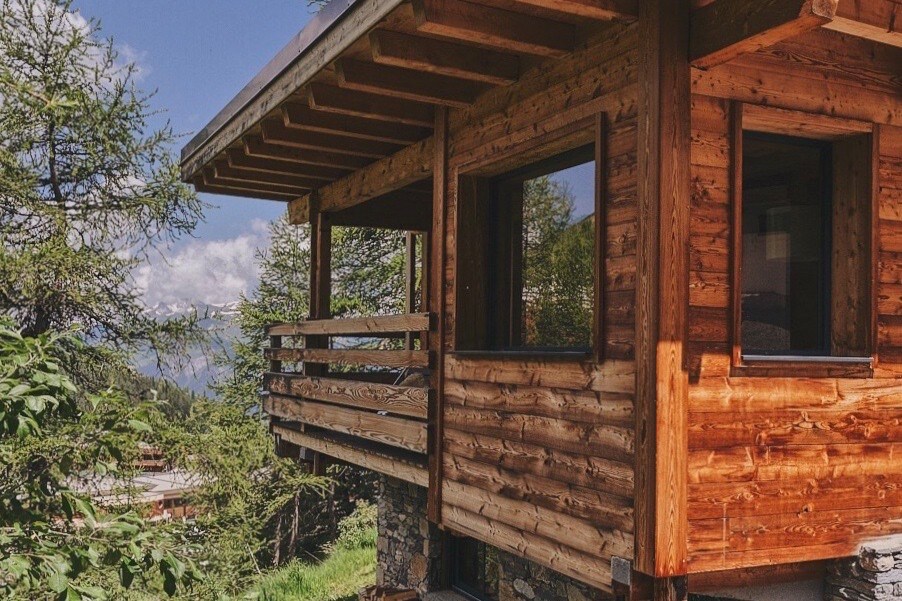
pixel 409 547
pixel 875 575
pixel 523 580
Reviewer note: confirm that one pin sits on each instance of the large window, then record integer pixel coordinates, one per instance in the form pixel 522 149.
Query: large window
pixel 532 243
pixel 805 254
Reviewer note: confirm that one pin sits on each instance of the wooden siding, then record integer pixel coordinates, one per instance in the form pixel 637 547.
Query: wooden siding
pixel 534 448
pixel 784 469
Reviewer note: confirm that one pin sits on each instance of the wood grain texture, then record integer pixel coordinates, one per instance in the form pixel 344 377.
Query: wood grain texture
pixel 394 431
pixel 350 357
pixel 401 400
pixel 354 326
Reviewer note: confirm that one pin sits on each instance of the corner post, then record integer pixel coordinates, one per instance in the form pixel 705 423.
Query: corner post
pixel 662 296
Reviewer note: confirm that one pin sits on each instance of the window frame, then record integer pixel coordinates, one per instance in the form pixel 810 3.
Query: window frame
pixel 522 159
pixel 746 117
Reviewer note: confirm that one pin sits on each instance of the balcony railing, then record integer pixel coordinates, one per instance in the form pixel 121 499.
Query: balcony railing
pixel 376 419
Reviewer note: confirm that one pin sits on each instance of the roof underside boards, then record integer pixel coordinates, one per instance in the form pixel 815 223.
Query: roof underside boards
pixel 361 82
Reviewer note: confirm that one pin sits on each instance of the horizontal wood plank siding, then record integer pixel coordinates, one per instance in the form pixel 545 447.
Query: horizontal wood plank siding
pixel 785 469
pixel 538 453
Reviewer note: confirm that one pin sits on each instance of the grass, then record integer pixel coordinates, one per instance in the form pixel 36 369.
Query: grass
pixel 337 578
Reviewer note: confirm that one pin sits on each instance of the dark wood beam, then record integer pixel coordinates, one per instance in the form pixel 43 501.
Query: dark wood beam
pixel 877 20
pixel 502 29
pixel 297 115
pixel 275 132
pixel 225 171
pixel 333 99
pixel 201 186
pixel 442 57
pixel 255 146
pixel 725 29
pixel 399 210
pixel 407 166
pixel 602 10
pixel 405 83
pixel 211 180
pixel 238 159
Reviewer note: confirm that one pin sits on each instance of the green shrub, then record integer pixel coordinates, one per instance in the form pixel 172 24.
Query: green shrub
pixel 358 530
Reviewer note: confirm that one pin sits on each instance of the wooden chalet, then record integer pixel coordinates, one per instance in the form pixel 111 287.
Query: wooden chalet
pixel 732 413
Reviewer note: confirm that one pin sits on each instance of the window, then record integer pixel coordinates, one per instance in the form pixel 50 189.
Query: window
pixel 474 569
pixel 530 278
pixel 805 246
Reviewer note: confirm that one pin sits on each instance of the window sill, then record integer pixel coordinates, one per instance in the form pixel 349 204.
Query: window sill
pixel 804 367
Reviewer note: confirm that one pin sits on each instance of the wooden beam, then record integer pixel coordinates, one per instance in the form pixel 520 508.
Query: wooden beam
pixel 405 167
pixel 400 432
pixel 275 132
pixel 255 146
pixel 400 400
pixel 398 210
pixel 662 292
pixel 359 453
pixel 876 20
pixel 395 359
pixel 444 58
pixel 300 116
pixel 353 326
pixel 405 83
pixel 333 99
pixel 238 159
pixel 502 29
pixel 202 186
pixel 211 179
pixel 725 29
pixel 225 171
pixel 602 10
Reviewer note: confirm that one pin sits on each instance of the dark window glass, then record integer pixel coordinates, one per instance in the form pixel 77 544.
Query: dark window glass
pixel 545 214
pixel 474 568
pixel 786 231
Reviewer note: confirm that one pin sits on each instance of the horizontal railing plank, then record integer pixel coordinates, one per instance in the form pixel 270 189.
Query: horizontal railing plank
pixel 395 431
pixel 376 357
pixel 361 326
pixel 361 454
pixel 402 400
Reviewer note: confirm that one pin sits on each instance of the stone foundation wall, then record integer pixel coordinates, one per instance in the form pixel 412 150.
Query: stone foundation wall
pixel 875 575
pixel 523 580
pixel 409 548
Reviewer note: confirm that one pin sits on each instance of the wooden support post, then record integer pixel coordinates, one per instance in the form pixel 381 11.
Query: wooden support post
pixel 436 303
pixel 410 275
pixel 662 290
pixel 646 588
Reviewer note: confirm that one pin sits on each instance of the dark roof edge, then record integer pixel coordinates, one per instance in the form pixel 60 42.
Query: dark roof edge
pixel 294 51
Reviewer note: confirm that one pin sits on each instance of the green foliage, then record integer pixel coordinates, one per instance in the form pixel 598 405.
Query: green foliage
pixel 349 566
pixel 56 446
pixel 558 268
pixel 358 530
pixel 88 188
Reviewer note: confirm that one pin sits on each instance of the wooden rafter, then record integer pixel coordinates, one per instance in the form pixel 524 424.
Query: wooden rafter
pixel 506 30
pixel 407 166
pixel 225 171
pixel 443 57
pixel 227 185
pixel 725 29
pixel 333 99
pixel 255 146
pixel 405 83
pixel 879 20
pixel 602 10
pixel 237 158
pixel 275 132
pixel 201 186
pixel 297 115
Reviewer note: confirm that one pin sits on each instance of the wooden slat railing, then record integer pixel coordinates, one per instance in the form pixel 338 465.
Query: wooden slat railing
pixel 383 416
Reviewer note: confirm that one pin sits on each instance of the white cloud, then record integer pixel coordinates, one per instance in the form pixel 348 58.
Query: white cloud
pixel 213 272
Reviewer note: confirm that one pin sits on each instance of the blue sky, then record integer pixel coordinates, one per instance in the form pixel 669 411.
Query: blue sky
pixel 198 54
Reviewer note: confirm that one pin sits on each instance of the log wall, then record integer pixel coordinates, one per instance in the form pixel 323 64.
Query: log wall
pixel 785 469
pixel 537 454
